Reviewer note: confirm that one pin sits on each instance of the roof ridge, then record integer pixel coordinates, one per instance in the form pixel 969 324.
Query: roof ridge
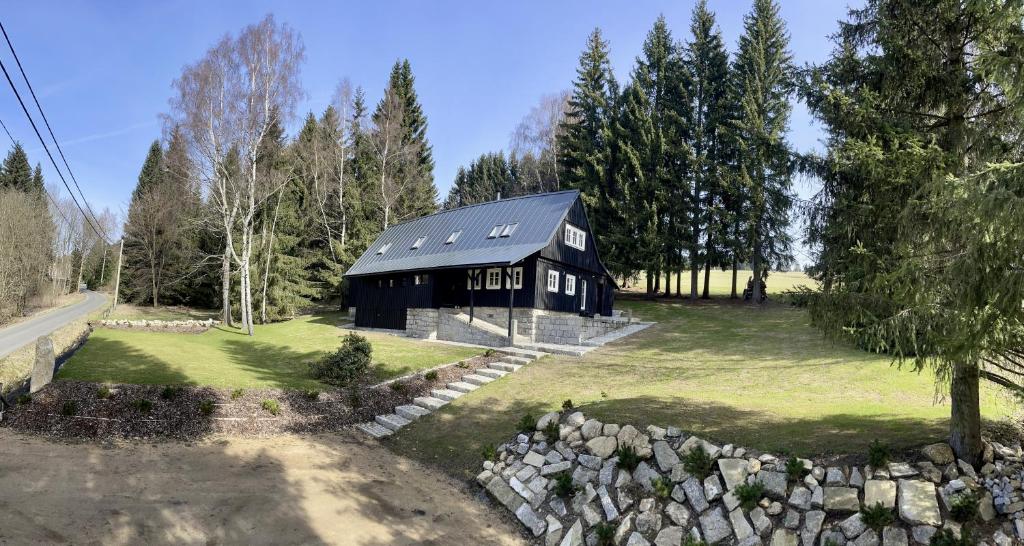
pixel 440 212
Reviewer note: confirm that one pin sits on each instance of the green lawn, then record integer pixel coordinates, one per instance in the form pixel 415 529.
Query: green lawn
pixel 758 377
pixel 127 311
pixel 225 357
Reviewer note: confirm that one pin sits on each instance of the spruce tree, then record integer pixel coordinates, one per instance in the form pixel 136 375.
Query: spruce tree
pixel 420 196
pixel 765 77
pixel 15 172
pixel 37 185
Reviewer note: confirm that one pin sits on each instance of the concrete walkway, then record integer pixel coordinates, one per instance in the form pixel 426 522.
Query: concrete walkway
pixel 16 336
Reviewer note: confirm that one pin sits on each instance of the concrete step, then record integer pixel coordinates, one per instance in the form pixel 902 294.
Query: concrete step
pixel 375 430
pixel 410 412
pixel 477 379
pixel 391 421
pixel 504 366
pixel 462 386
pixel 524 352
pixel 446 394
pixel 522 361
pixel 490 372
pixel 429 402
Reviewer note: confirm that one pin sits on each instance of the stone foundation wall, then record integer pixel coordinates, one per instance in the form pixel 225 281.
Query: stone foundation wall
pixel 421 323
pixel 532 325
pixel 451 327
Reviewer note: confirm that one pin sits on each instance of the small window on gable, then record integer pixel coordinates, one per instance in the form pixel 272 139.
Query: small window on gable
pixel 493 279
pixel 508 230
pixel 453 237
pixel 419 242
pixel 384 249
pixel 570 285
pixel 552 281
pixel 575 237
pixel 495 231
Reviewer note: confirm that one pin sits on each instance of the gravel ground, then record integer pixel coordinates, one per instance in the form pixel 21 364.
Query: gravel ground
pixel 74 409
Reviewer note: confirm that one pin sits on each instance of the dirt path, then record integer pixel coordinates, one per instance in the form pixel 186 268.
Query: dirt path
pixel 330 489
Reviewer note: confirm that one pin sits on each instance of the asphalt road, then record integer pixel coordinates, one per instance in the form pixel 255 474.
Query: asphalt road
pixel 25 332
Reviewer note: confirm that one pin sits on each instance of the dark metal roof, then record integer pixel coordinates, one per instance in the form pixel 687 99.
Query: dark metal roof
pixel 538 217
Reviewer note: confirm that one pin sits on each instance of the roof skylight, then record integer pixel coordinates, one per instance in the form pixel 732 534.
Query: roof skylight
pixel 419 242
pixel 509 229
pixel 384 249
pixel 453 237
pixel 495 231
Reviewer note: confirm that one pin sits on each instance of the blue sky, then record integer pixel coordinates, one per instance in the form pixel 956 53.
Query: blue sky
pixel 103 70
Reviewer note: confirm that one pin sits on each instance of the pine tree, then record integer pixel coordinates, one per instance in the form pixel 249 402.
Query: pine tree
pixel 15 172
pixel 764 73
pixel 37 185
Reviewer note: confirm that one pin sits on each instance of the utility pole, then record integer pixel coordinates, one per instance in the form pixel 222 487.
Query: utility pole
pixel 81 266
pixel 103 267
pixel 117 276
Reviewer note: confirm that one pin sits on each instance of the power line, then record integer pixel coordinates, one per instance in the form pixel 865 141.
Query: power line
pixel 48 128
pixel 6 131
pixel 48 196
pixel 48 154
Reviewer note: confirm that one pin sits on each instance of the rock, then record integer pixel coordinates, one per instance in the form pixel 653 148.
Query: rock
pixel 679 473
pixel 950 472
pixel 818 473
pixel 800 498
pixel 986 510
pixel 610 512
pixel 604 477
pixel 678 493
pixel 534 459
pixel 792 519
pixel 774 508
pixel 550 469
pixel 504 494
pixel 531 520
pixel 731 501
pixel 581 476
pixel 1001 539
pixel 693 441
pixel 625 500
pixel 818 498
pixel 669 536
pixel 679 514
pixel 624 529
pixel 841 499
pixel 810 482
pixel 627 434
pixel 575 419
pixel 880 492
pixel 581 498
pixel 753 466
pixel 590 461
pixel 930 472
pixel 856 478
pixel 966 469
pixel 853 526
pixel 774 483
pixel 734 471
pixel 602 446
pixel 813 521
pixel 591 429
pixel 624 477
pixel 575 535
pixel 665 456
pixel 923 533
pixel 784 537
pixel 655 432
pixel 917 503
pixel 714 526
pixel 643 475
pixel 867 538
pixel 649 522
pixel 590 515
pixel 833 537
pixel 901 470
pixel 894 536
pixel 554 532
pixel 557 505
pixel 646 505
pixel 695 494
pixel 610 429
pixel 546 420
pixel 740 526
pixel 762 524
pixel 834 476
pixel 712 488
pixel 553 457
pixel 636 539
pixel 42 367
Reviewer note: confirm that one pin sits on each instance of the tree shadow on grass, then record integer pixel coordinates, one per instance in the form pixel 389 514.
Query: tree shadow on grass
pixel 275 365
pixel 106 360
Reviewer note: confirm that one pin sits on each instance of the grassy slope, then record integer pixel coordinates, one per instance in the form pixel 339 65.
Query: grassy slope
pixel 760 377
pixel 225 357
pixel 127 311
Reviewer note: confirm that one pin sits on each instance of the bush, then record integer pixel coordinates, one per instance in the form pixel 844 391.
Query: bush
pixel 527 423
pixel 237 393
pixel 563 485
pixel 945 537
pixel 489 453
pixel 463 364
pixel 142 405
pixel 69 408
pixel 398 387
pixel 312 394
pixel 169 392
pixel 690 541
pixel 206 407
pixel 431 375
pixel 605 533
pixel 23 399
pixel 662 487
pixel 964 507
pixel 551 431
pixel 628 458
pixel 878 454
pixel 567 404
pixel 347 365
pixel 795 468
pixel 697 462
pixel 271 407
pixel 103 392
pixel 490 352
pixel 877 517
pixel 749 494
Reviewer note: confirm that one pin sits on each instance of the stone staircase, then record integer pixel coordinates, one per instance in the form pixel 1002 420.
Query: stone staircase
pixel 386 425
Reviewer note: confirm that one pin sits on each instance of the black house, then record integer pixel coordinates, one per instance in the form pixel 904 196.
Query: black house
pixel 534 252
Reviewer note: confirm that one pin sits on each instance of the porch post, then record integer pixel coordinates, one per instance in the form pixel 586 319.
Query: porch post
pixel 472 288
pixel 511 296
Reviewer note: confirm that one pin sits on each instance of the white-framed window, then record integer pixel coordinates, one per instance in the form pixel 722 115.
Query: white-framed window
pixel 384 248
pixel 419 279
pixel 583 294
pixel 570 285
pixel 495 231
pixel 575 237
pixel 552 280
pixel 474 280
pixel 508 230
pixel 453 237
pixel 419 242
pixel 493 279
pixel 517 277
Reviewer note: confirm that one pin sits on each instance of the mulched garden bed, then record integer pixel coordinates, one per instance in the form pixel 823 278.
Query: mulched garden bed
pixel 75 409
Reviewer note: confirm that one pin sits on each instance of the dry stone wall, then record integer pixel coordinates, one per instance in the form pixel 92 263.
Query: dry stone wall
pixel 160 325
pixel 659 502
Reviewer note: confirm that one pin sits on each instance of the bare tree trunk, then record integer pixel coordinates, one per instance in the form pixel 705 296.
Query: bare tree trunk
pixel 225 286
pixel 266 270
pixel 707 280
pixel 735 266
pixel 152 276
pixel 965 414
pixel 755 297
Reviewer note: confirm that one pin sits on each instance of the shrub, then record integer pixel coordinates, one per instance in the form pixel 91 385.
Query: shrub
pixel 605 533
pixel 206 407
pixel 463 364
pixel 489 453
pixel 946 537
pixel 662 487
pixel 103 392
pixel 69 408
pixel 23 399
pixel 551 431
pixel 795 468
pixel 749 494
pixel 347 365
pixel 878 454
pixel 527 423
pixel 690 541
pixel 697 462
pixel 567 404
pixel 169 392
pixel 563 485
pixel 877 517
pixel 398 387
pixel 490 352
pixel 271 407
pixel 142 405
pixel 237 393
pixel 431 375
pixel 312 394
pixel 964 507
pixel 628 458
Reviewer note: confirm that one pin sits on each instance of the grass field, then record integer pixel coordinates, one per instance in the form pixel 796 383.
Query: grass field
pixel 225 357
pixel 127 311
pixel 756 376
pixel 720 282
